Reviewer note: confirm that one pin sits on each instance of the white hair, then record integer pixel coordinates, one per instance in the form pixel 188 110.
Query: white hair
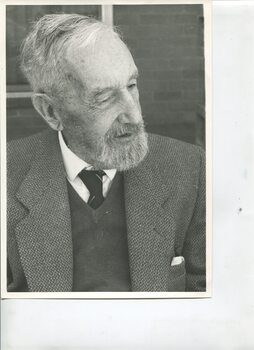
pixel 43 50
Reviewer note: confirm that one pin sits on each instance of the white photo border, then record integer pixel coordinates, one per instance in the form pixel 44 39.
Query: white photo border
pixel 107 13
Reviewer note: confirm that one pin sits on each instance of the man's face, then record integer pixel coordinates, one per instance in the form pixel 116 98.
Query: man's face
pixel 100 110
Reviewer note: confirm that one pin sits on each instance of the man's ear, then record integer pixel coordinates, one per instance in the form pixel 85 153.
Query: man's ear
pixel 44 106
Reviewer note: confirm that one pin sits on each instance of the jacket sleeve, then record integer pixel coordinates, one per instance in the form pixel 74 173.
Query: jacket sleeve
pixel 194 249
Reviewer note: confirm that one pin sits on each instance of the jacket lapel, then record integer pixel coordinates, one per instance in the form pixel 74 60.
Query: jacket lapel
pixel 44 235
pixel 151 228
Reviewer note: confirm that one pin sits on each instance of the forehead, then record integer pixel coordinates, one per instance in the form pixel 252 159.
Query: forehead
pixel 106 62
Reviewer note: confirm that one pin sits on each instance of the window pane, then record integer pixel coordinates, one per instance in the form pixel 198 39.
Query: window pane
pixel 18 21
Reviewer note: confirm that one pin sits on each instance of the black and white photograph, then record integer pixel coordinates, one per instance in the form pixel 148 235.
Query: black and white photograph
pixel 107 172
pixel 127 168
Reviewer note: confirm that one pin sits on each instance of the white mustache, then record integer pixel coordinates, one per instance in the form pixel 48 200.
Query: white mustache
pixel 122 129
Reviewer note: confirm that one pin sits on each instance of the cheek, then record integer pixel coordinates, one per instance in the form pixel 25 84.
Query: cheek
pixel 103 120
pixel 136 99
pixel 82 119
pixel 95 124
pixel 102 126
pixel 74 114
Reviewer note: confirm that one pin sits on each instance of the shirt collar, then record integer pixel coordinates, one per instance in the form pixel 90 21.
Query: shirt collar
pixel 74 165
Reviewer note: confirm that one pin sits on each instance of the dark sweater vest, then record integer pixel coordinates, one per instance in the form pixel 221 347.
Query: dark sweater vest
pixel 100 250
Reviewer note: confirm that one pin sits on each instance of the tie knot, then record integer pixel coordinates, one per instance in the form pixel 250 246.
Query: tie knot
pixel 93 181
pixel 92 173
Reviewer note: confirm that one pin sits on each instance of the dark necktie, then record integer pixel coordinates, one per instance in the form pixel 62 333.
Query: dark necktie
pixel 93 181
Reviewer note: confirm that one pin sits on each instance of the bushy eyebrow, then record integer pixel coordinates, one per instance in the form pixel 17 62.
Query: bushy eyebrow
pixel 134 75
pixel 99 91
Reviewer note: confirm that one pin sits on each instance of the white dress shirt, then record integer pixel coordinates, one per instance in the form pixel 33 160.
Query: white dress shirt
pixel 74 165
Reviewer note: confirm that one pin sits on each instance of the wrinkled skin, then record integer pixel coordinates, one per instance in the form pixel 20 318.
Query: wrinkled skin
pixel 100 112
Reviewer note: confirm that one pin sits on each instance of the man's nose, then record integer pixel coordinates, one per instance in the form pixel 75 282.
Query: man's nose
pixel 131 111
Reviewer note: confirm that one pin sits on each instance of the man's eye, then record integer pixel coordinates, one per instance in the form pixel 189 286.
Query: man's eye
pixel 132 85
pixel 104 99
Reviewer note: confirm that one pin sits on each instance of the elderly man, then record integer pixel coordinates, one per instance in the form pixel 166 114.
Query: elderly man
pixel 94 203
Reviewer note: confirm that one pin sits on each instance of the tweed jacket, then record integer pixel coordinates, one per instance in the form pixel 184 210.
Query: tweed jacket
pixel 165 217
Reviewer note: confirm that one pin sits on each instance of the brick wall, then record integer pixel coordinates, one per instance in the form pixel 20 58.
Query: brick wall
pixel 167 45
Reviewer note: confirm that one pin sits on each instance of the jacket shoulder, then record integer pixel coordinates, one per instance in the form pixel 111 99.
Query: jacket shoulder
pixel 24 145
pixel 23 149
pixel 170 150
pixel 20 154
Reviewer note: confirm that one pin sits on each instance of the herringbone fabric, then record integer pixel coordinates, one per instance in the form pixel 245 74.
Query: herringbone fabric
pixel 174 173
pixel 165 213
pixel 41 219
